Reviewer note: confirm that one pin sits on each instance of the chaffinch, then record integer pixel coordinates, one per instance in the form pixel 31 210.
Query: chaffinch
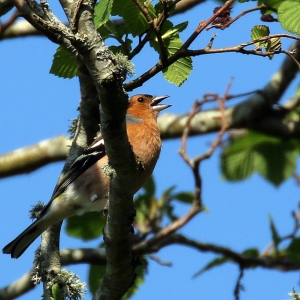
pixel 84 187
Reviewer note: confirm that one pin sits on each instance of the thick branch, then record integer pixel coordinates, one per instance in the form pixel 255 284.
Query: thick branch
pixel 107 80
pixel 5 6
pixel 171 126
pixel 185 5
pixel 31 158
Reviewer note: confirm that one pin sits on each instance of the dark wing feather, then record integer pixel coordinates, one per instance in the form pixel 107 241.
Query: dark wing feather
pixel 81 164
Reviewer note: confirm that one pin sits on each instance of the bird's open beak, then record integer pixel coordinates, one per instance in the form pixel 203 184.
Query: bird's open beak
pixel 155 103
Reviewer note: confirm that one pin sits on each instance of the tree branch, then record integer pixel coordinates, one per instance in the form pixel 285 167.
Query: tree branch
pixel 33 157
pixel 171 126
pixel 5 6
pixel 241 259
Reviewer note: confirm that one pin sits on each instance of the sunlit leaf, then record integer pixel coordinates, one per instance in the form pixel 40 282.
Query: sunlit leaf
pixel 174 31
pixel 214 263
pixel 258 32
pixel 273 45
pixel 63 64
pixel 56 292
pixel 275 236
pixel 289 15
pixel 102 12
pixel 179 71
pixel 134 19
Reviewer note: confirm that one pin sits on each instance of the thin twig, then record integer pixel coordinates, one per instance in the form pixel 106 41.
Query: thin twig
pixel 155 28
pixel 204 24
pixel 141 44
pixel 290 54
pixel 182 52
pixel 223 26
pixel 159 261
pixel 224 126
pixel 281 264
pixel 239 286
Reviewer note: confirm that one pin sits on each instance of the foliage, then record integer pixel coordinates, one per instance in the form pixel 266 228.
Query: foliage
pixel 270 45
pixel 87 226
pixel 135 24
pixel 256 152
pixel 243 154
pixel 289 15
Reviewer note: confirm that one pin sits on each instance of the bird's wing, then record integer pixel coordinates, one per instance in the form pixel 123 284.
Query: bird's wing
pixel 81 164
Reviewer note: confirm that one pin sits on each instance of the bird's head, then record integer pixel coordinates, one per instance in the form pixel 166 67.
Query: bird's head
pixel 144 106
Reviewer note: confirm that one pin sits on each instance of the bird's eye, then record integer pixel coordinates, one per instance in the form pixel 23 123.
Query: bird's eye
pixel 140 99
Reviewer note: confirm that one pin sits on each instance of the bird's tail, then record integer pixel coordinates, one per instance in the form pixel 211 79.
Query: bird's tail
pixel 17 247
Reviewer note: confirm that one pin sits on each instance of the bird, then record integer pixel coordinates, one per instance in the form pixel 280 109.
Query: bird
pixel 84 187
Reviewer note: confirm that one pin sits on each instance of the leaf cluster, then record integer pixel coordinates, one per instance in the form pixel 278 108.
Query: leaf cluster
pixel 139 23
pixel 274 158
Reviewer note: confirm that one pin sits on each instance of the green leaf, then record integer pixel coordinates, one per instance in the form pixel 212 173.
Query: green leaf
pixel 104 32
pixel 270 45
pixel 87 226
pixel 273 45
pixel 167 26
pixel 274 4
pixel 111 27
pixel 273 158
pixel 102 12
pixel 63 64
pixel 134 19
pixel 143 201
pixel 159 7
pixel 251 252
pixel 185 197
pixel 293 249
pixel 180 70
pixel 140 271
pixel 174 31
pixel 96 275
pixel 125 48
pixel 150 187
pixel 168 210
pixel 214 263
pixel 280 160
pixel 56 293
pixel 289 15
pixel 147 193
pixel 258 32
pixel 275 236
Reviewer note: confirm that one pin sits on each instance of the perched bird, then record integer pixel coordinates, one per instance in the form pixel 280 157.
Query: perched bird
pixel 84 187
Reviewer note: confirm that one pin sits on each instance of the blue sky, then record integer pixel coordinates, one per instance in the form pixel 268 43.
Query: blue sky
pixel 37 106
